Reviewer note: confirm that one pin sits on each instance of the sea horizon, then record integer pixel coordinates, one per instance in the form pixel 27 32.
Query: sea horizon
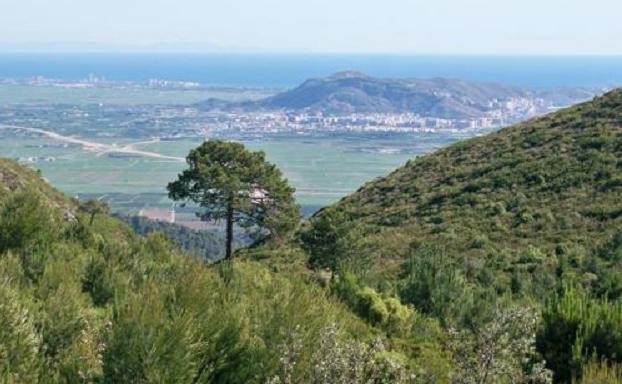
pixel 285 70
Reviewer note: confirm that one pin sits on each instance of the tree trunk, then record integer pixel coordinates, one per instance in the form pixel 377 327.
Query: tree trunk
pixel 229 251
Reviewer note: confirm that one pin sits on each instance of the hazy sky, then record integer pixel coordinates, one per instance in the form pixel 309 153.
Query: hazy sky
pixel 399 26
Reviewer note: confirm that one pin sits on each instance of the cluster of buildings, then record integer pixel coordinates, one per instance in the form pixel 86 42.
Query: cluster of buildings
pixel 35 159
pixel 500 114
pixel 157 83
pixel 93 81
pixel 192 120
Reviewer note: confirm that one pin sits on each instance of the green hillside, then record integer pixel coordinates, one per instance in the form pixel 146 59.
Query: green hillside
pixel 208 245
pixel 89 301
pixel 527 200
pixel 530 215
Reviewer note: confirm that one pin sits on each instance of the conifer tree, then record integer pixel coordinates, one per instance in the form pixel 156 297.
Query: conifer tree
pixel 239 186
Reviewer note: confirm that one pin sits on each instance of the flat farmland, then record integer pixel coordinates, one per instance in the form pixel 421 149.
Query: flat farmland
pixel 323 168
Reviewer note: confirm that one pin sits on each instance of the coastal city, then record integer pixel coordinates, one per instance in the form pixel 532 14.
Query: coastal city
pixel 167 119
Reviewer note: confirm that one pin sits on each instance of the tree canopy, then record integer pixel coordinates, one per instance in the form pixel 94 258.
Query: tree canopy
pixel 239 186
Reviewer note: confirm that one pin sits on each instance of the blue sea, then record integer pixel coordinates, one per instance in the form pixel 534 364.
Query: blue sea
pixel 287 70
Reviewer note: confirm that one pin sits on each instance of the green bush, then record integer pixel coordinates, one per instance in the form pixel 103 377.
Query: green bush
pixel 331 244
pixel 576 327
pixel 148 345
pixel 433 284
pixel 600 372
pixel 20 342
pixel 372 307
pixel 400 319
pixel 25 220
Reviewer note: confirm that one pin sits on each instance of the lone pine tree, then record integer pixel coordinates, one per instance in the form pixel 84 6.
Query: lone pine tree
pixel 239 186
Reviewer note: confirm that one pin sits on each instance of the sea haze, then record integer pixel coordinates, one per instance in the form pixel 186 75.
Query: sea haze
pixel 281 70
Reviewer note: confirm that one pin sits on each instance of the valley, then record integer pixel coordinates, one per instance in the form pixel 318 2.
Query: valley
pixel 323 168
pixel 122 141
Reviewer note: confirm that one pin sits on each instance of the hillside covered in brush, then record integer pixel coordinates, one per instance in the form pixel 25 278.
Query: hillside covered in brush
pixel 526 200
pixel 523 215
pixel 85 300
pixel 204 244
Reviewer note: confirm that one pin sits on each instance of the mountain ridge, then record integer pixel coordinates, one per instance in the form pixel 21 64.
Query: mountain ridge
pixel 355 92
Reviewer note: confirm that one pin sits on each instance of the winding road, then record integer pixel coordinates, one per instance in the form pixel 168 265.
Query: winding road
pixel 96 147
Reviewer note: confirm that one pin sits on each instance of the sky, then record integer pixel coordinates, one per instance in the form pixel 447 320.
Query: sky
pixel 576 27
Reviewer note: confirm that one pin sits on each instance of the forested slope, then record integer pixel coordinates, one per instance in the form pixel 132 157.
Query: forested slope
pixel 526 200
pixel 208 245
pixel 530 215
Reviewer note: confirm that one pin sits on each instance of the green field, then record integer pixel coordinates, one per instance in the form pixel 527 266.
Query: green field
pixel 322 168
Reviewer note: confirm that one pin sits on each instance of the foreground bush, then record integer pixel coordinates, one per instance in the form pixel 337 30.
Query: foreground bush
pixel 577 327
pixel 86 300
pixel 600 372
pixel 341 361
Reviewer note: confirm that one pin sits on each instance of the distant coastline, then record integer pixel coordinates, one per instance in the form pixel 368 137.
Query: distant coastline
pixel 288 70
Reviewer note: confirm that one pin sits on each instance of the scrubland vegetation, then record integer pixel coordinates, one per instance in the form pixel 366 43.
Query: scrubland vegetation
pixel 496 260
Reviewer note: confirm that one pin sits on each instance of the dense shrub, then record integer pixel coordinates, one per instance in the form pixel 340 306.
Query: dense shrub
pixel 576 327
pixel 600 372
pixel 501 351
pixel 336 360
pixel 88 301
pixel 25 219
pixel 332 244
pixel 20 343
pixel 433 283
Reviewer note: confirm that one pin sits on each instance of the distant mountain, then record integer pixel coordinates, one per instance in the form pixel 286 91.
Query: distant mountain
pixel 355 92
